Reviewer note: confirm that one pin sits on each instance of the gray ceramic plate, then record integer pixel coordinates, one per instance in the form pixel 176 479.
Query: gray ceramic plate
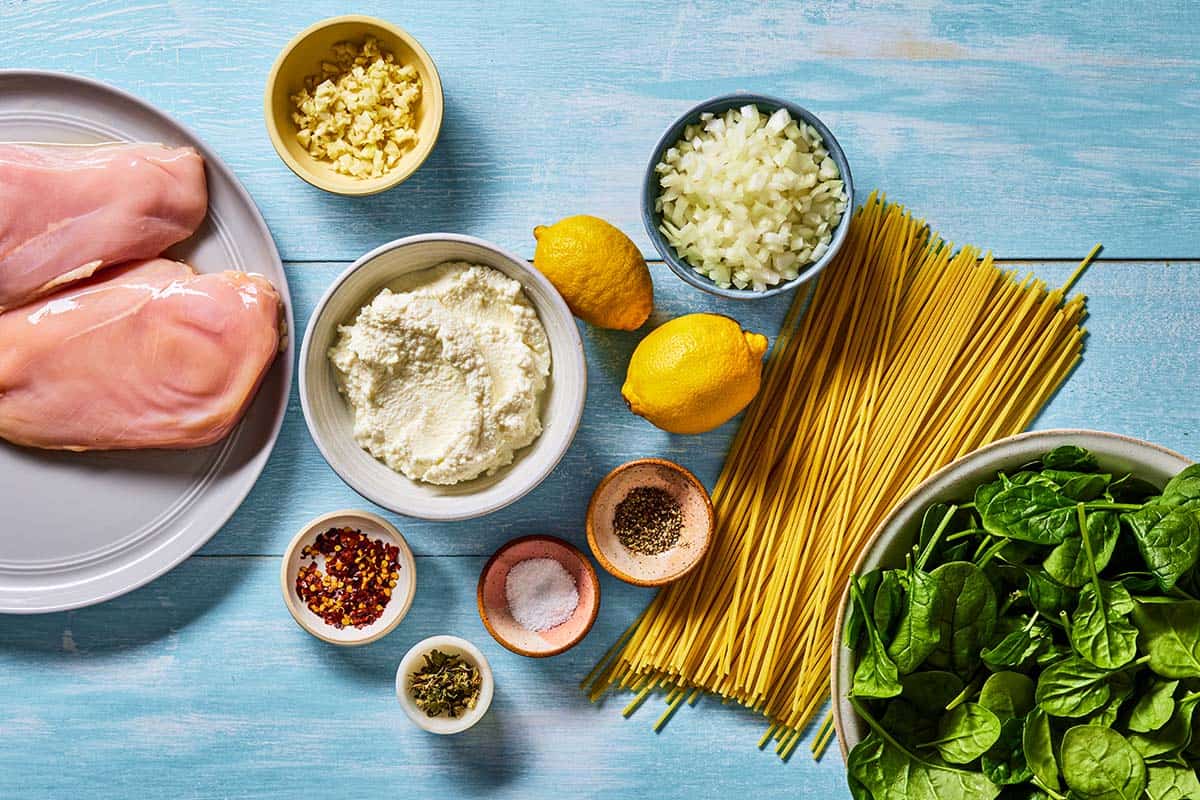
pixel 77 529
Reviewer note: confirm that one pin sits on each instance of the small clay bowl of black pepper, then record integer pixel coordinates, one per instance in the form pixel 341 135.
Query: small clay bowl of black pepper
pixel 650 522
pixel 348 577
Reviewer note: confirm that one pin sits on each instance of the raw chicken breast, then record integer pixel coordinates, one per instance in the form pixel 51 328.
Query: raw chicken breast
pixel 67 211
pixel 148 355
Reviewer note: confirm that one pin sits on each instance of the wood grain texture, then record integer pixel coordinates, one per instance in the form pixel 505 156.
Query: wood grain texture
pixel 200 685
pixel 1035 128
pixel 1135 379
pixel 1029 128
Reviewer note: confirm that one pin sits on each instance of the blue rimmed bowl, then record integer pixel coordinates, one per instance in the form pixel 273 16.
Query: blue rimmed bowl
pixel 650 191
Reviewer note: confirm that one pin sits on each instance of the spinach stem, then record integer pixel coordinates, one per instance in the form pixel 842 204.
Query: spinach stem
pixel 861 710
pixel 991 552
pixel 1177 592
pixel 954 537
pixel 1053 794
pixel 1087 546
pixel 1012 598
pixel 962 696
pixel 1098 506
pixel 983 543
pixel 937 534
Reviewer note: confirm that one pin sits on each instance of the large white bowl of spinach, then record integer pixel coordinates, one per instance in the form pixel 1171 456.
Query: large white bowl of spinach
pixel 1026 624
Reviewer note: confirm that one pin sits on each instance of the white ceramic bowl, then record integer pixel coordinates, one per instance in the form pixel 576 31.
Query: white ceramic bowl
pixel 331 421
pixel 451 645
pixel 402 596
pixel 895 535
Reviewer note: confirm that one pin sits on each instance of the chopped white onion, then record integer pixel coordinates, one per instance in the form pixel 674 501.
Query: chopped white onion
pixel 748 200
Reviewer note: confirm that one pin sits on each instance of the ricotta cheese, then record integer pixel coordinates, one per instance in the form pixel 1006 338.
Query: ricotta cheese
pixel 445 370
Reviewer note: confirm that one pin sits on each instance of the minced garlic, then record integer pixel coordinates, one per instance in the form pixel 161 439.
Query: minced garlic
pixel 359 115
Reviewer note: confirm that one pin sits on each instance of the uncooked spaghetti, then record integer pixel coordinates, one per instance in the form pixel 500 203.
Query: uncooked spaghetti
pixel 909 356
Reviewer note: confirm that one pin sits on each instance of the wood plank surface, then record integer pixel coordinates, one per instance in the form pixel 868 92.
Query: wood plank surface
pixel 1033 129
pixel 200 685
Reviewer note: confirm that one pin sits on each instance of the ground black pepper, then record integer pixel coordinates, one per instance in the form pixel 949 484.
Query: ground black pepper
pixel 648 520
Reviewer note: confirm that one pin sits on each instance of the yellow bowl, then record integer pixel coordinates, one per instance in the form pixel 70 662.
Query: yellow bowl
pixel 302 57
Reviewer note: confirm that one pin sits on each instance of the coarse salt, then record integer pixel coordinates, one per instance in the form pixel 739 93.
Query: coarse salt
pixel 541 593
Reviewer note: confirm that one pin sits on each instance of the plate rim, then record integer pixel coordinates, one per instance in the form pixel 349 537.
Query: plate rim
pixel 210 528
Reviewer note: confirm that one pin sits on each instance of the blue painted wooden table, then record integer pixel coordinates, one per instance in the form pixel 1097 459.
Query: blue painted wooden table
pixel 1031 130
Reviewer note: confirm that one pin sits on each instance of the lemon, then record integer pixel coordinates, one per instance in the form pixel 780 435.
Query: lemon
pixel 694 373
pixel 598 271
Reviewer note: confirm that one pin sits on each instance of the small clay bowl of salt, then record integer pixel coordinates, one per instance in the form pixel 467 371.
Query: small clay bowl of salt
pixel 538 596
pixel 650 522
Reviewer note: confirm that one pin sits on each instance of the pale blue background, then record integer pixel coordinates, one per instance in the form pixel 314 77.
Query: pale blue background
pixel 1026 128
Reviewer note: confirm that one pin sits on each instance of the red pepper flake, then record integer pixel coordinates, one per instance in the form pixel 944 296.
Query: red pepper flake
pixel 357 582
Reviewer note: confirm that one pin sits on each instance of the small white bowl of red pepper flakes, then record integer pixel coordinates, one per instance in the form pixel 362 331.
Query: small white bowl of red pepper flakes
pixel 348 577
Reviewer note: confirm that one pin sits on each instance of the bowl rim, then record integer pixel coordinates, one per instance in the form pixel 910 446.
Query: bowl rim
pixel 670 466
pixel 286 578
pixel 980 454
pixel 482 607
pixel 486 690
pixel 557 305
pixel 367 186
pixel 671 135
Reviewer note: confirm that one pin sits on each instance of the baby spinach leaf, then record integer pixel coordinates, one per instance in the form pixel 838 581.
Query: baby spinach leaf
pixel 1138 582
pixel 1072 688
pixel 1154 708
pixel 1185 485
pixel 1007 695
pixel 1120 689
pixel 1099 630
pixel 868 586
pixel 1079 486
pixel 985 493
pixel 1048 596
pixel 1039 748
pixel 1168 537
pixel 1017 552
pixel 1052 654
pixel 889 772
pixel 1018 647
pixel 1130 489
pixel 966 733
pixel 1031 513
pixel 966 616
pixel 1172 782
pixel 876 675
pixel 889 600
pixel 918 633
pixel 1099 764
pixel 1170 740
pixel 1170 633
pixel 1068 562
pixel 1004 764
pixel 931 690
pixel 907 723
pixel 1069 456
